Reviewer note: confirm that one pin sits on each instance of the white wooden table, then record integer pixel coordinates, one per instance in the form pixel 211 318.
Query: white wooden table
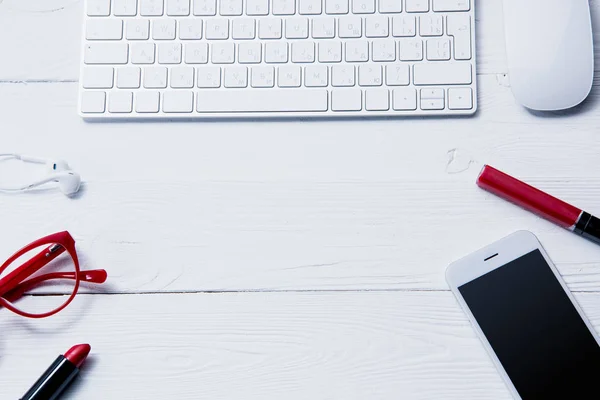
pixel 268 260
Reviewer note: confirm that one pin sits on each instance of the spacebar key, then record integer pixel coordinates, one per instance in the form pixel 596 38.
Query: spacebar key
pixel 458 73
pixel 247 100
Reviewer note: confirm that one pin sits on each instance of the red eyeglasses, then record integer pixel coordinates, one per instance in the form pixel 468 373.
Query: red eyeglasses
pixel 34 280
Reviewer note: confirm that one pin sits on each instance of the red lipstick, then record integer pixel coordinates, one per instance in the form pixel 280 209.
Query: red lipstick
pixel 540 203
pixel 59 375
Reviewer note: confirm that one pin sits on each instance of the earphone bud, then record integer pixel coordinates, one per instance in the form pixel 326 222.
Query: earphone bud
pixel 58 171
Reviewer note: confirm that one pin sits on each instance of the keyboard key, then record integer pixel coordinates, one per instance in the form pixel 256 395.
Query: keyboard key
pixel 438 49
pixel 98 8
pixel 459 26
pixel 377 100
pixel 458 73
pixel 303 52
pixel 137 29
pixel 178 7
pixel 296 28
pixel 370 75
pixel 390 6
pixel 411 50
pixel 249 53
pixel 342 75
pixel 190 29
pixel 309 7
pixel 431 25
pixel 196 53
pixel 151 8
pixel 217 29
pixel 397 75
pixel 235 77
pixel 350 27
pixel 460 98
pixel 142 53
pixel 182 78
pixel 105 53
pixel 315 76
pixel 404 99
pixel 276 52
pixel 124 8
pixel 404 26
pixel 93 102
pixel 243 28
pixel 98 77
pixel 223 53
pixel 257 7
pixel 147 101
pixel 128 78
pixel 363 6
pixel 346 100
pixel 269 28
pixel 169 53
pixel 101 29
pixel 178 102
pixel 377 26
pixel 263 77
pixel 263 100
pixel 330 51
pixel 163 29
pixel 357 51
pixel 289 76
pixel 336 6
pixel 120 102
pixel 205 7
pixel 417 5
pixel 451 5
pixel 230 7
pixel 155 77
pixel 208 77
pixel 323 28
pixel 384 50
pixel 284 7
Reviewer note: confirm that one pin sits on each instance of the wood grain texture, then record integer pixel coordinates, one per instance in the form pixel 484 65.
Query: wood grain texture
pixel 325 241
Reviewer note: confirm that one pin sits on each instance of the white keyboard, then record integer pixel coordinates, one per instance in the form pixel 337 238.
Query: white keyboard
pixel 246 58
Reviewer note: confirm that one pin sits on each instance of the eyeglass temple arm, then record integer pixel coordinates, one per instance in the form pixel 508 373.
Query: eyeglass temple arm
pixel 30 267
pixel 91 276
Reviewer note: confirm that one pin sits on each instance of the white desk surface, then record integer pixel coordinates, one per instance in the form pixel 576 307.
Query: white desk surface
pixel 288 259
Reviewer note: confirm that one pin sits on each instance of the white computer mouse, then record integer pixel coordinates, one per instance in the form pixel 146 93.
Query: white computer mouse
pixel 550 52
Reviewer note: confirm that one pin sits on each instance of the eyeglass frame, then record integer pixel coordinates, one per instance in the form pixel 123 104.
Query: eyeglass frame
pixel 10 283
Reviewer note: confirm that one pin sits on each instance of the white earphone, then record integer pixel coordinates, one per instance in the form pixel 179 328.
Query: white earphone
pixel 58 171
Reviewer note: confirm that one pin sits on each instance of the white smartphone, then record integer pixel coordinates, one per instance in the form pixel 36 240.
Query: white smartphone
pixel 541 342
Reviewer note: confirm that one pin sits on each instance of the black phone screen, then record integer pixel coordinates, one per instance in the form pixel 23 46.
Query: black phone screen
pixel 539 337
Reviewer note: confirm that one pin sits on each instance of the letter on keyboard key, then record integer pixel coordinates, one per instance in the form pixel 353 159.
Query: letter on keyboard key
pixel 92 102
pixel 451 5
pixel 178 102
pixel 442 74
pixel 208 77
pixel 137 29
pixel 169 53
pixel 142 53
pixel 104 29
pixel 163 29
pixel 262 100
pixel 155 77
pixel 235 77
pixel 105 53
pixel 97 77
pixel 182 77
pixel 147 102
pixel 289 76
pixel 315 76
pixel 369 75
pixel 196 53
pixel 346 100
pixel 263 77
